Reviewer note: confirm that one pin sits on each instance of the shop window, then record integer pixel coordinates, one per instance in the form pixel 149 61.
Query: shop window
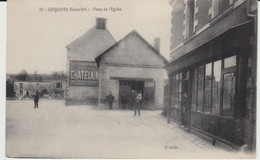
pixel 172 91
pixel 228 94
pixel 180 90
pixel 230 62
pixel 176 92
pixel 216 87
pixel 207 90
pixel 200 88
pixel 194 89
pixel 207 82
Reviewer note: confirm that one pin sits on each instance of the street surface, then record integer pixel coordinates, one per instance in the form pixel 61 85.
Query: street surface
pixel 54 130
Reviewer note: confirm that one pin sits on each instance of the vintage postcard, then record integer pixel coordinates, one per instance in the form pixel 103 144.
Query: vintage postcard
pixel 131 79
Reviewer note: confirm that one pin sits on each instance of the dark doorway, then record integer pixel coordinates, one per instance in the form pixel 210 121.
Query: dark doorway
pixel 27 93
pixel 147 88
pixel 125 87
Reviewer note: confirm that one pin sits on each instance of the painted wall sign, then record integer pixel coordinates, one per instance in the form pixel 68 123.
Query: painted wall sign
pixel 83 73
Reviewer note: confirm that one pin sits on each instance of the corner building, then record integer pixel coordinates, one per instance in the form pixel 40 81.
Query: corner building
pixel 82 71
pixel 97 65
pixel 212 71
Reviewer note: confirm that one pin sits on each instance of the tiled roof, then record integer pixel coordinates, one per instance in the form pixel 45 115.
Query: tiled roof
pixel 91 44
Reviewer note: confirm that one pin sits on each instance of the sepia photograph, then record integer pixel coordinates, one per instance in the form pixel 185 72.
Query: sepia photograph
pixel 131 79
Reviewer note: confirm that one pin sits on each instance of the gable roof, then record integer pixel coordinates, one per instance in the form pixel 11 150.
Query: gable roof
pixel 91 43
pixel 99 57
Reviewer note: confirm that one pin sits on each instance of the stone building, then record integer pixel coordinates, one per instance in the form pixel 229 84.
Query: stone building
pixel 82 71
pixel 29 88
pixel 132 63
pixel 97 65
pixel 212 71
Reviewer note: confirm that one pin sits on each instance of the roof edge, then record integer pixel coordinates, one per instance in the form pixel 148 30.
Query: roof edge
pixel 99 57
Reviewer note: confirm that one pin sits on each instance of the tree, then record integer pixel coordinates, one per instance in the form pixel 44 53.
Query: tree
pixel 23 75
pixel 55 75
pixel 10 88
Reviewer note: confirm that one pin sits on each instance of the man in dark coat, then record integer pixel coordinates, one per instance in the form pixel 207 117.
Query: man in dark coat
pixel 110 99
pixel 138 104
pixel 36 99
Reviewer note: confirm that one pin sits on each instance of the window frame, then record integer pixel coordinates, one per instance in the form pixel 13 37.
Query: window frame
pixel 223 71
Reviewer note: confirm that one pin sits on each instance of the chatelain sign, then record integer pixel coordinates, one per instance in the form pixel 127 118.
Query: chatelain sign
pixel 83 73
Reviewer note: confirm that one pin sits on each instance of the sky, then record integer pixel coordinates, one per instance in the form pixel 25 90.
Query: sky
pixel 36 39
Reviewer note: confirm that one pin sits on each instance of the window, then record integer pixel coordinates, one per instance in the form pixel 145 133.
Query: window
pixel 194 89
pixel 223 5
pixel 177 90
pixel 230 62
pixel 190 17
pixel 229 84
pixel 207 82
pixel 216 87
pixel 220 6
pixel 228 94
pixel 58 85
pixel 180 90
pixel 200 88
pixel 21 86
pixel 207 90
pixel 172 92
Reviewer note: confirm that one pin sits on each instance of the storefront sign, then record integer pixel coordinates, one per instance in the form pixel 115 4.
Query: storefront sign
pixel 83 73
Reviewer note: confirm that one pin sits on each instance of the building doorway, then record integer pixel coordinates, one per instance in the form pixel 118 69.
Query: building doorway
pixel 125 87
pixel 146 87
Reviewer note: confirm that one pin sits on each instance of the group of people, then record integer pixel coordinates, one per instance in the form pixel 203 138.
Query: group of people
pixel 133 100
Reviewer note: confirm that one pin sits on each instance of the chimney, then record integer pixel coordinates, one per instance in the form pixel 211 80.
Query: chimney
pixel 157 44
pixel 101 23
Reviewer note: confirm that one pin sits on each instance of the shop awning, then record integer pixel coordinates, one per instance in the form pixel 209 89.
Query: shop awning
pixel 226 44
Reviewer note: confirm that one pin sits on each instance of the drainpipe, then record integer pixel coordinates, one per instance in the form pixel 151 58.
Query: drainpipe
pixel 254 64
pixel 169 102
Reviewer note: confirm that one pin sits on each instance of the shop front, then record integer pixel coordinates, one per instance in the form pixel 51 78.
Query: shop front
pixel 208 87
pixel 125 69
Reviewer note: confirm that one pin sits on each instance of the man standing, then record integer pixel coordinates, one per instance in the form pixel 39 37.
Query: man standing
pixel 110 99
pixel 138 103
pixel 36 99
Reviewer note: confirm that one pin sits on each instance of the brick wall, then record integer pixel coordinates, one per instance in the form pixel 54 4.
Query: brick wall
pixel 177 23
